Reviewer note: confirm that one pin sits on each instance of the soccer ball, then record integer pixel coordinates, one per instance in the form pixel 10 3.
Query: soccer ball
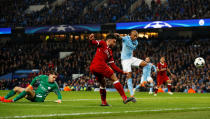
pixel 199 62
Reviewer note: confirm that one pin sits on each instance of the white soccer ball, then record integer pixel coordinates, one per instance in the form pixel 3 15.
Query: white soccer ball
pixel 199 62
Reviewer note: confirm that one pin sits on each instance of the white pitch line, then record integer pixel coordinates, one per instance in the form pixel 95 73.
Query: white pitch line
pixel 94 113
pixel 152 98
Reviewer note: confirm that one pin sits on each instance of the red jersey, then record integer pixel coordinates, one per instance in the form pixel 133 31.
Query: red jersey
pixel 162 66
pixel 104 55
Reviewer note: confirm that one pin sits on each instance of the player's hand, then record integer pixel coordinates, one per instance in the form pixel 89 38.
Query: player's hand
pixel 126 73
pixel 117 34
pixel 173 76
pixel 91 37
pixel 153 73
pixel 58 101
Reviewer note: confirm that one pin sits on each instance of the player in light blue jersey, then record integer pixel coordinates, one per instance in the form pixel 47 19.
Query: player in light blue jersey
pixel 129 44
pixel 146 76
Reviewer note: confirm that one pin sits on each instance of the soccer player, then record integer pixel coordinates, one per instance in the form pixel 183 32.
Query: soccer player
pixel 46 85
pixel 129 44
pixel 162 77
pixel 103 65
pixel 146 76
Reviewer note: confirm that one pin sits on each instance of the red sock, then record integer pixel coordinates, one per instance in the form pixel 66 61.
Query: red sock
pixel 120 90
pixel 103 95
pixel 156 90
pixel 169 87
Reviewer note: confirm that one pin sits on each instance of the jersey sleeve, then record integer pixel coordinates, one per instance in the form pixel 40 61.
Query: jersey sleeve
pixel 124 38
pixel 158 66
pixel 57 92
pixel 112 64
pixel 36 78
pixel 98 43
pixel 154 68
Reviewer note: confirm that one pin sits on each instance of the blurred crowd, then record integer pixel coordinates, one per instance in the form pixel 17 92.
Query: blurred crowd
pixel 179 52
pixel 111 11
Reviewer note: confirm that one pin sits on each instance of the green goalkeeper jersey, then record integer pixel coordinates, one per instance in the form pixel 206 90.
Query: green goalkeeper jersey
pixel 45 87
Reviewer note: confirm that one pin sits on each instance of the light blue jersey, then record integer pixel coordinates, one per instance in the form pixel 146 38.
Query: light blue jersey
pixel 128 46
pixel 147 71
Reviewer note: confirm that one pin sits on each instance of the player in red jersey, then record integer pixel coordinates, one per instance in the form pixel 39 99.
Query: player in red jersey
pixel 162 77
pixel 100 68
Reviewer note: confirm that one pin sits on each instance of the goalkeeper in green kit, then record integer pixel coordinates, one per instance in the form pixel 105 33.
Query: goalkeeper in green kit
pixel 46 85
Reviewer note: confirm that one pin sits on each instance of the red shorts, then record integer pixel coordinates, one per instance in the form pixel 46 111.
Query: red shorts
pixel 161 80
pixel 101 70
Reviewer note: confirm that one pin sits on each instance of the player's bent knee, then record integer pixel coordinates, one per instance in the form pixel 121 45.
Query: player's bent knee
pixel 28 90
pixel 143 63
pixel 113 77
pixel 16 88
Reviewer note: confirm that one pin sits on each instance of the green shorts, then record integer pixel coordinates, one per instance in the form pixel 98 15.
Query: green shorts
pixel 36 98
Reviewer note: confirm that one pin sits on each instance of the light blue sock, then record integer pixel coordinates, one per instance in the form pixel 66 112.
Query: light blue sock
pixel 138 86
pixel 130 86
pixel 151 87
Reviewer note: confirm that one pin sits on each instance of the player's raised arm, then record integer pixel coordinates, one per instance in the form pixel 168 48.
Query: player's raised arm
pixel 169 71
pixel 95 42
pixel 58 93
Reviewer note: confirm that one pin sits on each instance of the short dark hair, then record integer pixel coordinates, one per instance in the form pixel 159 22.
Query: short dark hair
pixel 111 36
pixel 53 72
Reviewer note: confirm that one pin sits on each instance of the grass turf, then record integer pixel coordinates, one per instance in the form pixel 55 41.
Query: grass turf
pixel 85 105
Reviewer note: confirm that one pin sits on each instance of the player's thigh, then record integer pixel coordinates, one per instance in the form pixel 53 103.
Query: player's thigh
pixel 149 79
pixel 103 70
pixel 30 92
pixel 167 80
pixel 136 62
pixel 18 89
pixel 126 65
pixel 101 80
pixel 143 80
pixel 159 81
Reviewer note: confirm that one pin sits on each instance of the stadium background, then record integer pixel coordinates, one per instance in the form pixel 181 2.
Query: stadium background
pixel 39 31
pixel 39 35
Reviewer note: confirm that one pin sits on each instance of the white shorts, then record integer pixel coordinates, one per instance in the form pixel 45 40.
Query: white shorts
pixel 126 64
pixel 149 78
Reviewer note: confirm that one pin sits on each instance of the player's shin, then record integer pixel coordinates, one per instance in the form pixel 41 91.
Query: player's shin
pixel 151 87
pixel 120 90
pixel 169 87
pixel 103 95
pixel 10 94
pixel 21 95
pixel 130 86
pixel 156 90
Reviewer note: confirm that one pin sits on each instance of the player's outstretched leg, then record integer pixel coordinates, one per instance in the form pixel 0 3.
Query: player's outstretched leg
pixel 23 92
pixel 120 89
pixel 11 93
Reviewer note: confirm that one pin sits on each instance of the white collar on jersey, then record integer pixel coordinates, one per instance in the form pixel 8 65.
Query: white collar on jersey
pixel 161 63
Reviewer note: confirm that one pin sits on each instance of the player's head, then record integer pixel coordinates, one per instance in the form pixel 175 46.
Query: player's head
pixel 162 59
pixel 147 59
pixel 52 76
pixel 111 40
pixel 134 35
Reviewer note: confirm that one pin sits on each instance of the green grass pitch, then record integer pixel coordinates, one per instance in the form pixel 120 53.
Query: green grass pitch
pixel 85 105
